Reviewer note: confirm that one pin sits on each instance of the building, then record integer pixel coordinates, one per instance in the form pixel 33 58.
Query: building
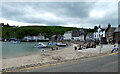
pixel 56 37
pixel 53 38
pixel 27 38
pixel 78 35
pixel 41 37
pixel 109 33
pixel 90 37
pixel 117 34
pixel 99 33
pixel 67 35
pixel 34 38
pixel 30 38
pixel 59 37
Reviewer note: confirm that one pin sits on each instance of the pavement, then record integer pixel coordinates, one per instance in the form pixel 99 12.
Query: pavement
pixel 105 63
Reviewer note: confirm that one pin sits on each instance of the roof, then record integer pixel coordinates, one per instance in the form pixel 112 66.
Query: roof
pixel 68 32
pixel 53 35
pixel 113 28
pixel 117 29
pixel 102 29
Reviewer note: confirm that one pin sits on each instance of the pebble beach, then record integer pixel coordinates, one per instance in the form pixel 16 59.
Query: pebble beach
pixel 66 53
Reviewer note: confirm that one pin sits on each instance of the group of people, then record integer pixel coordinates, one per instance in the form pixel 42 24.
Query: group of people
pixel 85 45
pixel 56 48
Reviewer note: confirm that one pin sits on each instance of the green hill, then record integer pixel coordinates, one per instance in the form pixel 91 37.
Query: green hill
pixel 48 31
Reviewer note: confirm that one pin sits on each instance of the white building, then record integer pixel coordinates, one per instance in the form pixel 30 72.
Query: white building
pixel 67 35
pixel 34 38
pixel 27 38
pixel 99 33
pixel 41 37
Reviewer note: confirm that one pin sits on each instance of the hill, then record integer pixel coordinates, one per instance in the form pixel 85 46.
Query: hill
pixel 48 31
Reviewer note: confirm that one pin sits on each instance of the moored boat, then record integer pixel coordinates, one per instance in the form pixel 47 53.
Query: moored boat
pixel 15 41
pixel 61 44
pixel 40 45
pixel 52 43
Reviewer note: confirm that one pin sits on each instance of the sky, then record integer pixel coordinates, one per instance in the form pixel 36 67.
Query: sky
pixel 68 14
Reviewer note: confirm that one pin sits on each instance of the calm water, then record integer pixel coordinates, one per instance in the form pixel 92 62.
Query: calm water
pixel 13 50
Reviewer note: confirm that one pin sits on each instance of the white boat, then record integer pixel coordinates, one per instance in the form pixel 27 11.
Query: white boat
pixel 61 44
pixel 40 45
pixel 15 41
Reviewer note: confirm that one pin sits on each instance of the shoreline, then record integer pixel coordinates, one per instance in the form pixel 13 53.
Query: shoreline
pixel 66 53
pixel 46 50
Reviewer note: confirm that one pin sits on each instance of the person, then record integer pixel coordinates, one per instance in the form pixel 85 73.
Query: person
pixel 56 47
pixel 42 50
pixel 114 49
pixel 53 49
pixel 75 48
pixel 80 47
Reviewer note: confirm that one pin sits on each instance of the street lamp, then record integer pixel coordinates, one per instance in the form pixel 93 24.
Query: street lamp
pixel 101 45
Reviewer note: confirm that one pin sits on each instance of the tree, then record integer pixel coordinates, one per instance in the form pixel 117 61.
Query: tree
pixel 7 25
pixel 1 24
pixel 95 28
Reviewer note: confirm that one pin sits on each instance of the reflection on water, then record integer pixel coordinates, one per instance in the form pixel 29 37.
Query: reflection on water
pixel 12 50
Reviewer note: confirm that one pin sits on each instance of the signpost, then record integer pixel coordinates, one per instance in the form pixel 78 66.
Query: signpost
pixel 101 46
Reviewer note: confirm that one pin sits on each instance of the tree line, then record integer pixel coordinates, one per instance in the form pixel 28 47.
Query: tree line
pixel 47 31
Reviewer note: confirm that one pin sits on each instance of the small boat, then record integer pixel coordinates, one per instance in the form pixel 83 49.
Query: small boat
pixel 61 44
pixel 40 45
pixel 52 43
pixel 15 41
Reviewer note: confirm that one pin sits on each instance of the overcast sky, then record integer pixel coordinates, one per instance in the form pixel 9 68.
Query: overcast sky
pixel 70 14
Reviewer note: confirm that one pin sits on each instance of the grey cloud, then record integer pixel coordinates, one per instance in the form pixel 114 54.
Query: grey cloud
pixel 74 12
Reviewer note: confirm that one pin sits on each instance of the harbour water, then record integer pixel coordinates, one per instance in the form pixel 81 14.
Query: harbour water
pixel 24 48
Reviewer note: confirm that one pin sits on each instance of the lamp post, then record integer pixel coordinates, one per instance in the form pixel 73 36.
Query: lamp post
pixel 101 45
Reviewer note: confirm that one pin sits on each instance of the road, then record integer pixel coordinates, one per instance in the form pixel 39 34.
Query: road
pixel 107 63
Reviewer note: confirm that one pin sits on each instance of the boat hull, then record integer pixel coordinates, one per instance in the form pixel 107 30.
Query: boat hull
pixel 61 45
pixel 40 46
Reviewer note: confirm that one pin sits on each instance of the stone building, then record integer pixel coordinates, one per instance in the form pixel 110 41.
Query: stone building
pixel 117 34
pixel 78 35
pixel 109 34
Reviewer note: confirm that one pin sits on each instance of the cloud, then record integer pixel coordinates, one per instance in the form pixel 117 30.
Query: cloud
pixel 76 14
pixel 19 23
